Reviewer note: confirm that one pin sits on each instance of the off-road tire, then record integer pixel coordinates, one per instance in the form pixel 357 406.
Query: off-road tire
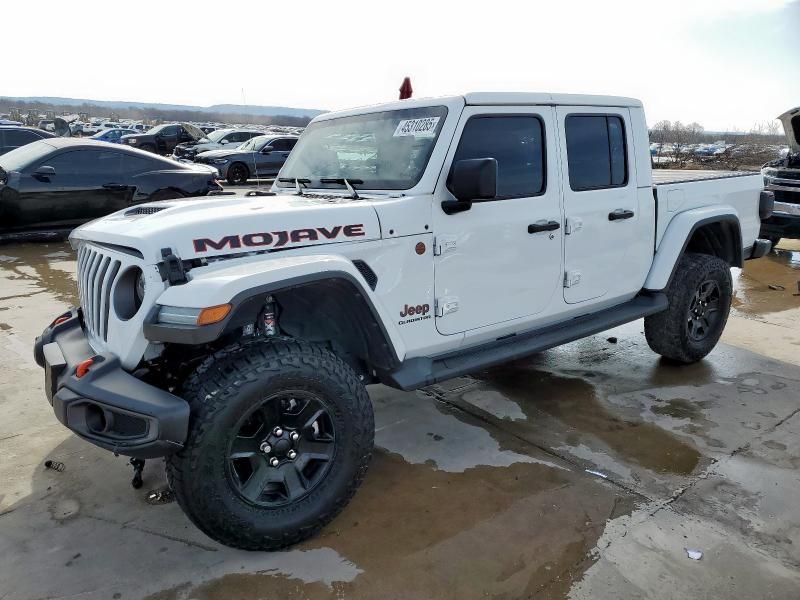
pixel 220 391
pixel 242 170
pixel 666 332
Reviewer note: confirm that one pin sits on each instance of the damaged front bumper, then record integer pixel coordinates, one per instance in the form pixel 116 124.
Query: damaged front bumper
pixel 106 405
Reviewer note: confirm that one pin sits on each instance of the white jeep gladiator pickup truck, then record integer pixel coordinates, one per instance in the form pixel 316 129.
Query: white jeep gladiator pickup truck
pixel 402 244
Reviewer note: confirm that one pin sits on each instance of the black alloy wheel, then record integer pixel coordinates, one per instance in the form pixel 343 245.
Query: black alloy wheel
pixel 237 173
pixel 704 311
pixel 283 449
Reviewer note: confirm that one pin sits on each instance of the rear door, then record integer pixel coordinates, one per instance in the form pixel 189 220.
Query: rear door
pixel 281 148
pixel 501 259
pixel 606 236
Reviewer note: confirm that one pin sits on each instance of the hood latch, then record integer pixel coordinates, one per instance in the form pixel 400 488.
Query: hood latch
pixel 172 268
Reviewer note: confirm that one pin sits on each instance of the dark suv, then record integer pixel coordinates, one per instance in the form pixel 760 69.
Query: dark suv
pixel 162 139
pixel 12 137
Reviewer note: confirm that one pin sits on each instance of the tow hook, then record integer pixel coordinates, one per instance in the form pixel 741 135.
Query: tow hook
pixel 138 467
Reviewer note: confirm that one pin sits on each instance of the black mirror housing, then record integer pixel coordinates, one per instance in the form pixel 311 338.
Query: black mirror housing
pixel 474 179
pixel 45 171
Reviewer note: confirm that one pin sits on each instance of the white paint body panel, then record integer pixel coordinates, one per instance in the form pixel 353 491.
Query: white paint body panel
pixel 504 280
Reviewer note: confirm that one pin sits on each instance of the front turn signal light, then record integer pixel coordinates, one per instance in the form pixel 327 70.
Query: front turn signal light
pixel 213 314
pixel 83 367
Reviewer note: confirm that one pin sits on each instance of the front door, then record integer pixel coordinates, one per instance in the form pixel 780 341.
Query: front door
pixel 501 259
pixel 608 241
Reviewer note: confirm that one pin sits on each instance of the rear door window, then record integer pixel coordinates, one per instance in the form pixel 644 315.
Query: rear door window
pixel 87 162
pixel 135 165
pixel 283 145
pixel 596 152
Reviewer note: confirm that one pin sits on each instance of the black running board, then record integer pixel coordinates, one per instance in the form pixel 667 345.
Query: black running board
pixel 415 373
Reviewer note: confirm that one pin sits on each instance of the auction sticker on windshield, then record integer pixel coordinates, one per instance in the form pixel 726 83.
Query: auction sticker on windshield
pixel 424 127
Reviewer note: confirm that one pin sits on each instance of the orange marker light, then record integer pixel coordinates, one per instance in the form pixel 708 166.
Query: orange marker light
pixel 83 367
pixel 213 314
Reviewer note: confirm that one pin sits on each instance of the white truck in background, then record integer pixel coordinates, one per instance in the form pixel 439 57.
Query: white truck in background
pixel 402 244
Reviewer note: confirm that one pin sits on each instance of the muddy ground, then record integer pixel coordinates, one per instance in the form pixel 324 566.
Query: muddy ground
pixel 582 472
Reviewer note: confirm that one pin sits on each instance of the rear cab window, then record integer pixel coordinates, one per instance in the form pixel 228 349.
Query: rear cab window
pixel 596 151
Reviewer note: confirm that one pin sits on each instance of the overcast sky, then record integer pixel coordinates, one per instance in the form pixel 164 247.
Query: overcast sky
pixel 723 63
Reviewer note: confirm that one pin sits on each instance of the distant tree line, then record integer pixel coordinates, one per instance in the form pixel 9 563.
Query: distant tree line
pixel 145 113
pixel 677 144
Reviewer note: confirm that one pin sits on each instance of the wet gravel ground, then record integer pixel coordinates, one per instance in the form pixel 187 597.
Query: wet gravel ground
pixel 583 472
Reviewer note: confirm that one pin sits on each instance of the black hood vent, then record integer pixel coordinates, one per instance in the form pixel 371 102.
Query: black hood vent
pixel 144 210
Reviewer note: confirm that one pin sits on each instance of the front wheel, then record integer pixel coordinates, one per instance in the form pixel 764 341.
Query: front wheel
pixel 280 438
pixel 238 173
pixel 699 301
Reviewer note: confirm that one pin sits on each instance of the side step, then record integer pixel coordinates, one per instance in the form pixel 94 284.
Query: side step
pixel 415 373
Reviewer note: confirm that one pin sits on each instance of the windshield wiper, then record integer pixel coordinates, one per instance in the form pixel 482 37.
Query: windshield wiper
pixel 345 182
pixel 296 181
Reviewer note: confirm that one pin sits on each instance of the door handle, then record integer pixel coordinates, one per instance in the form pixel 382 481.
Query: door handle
pixel 620 214
pixel 543 226
pixel 115 187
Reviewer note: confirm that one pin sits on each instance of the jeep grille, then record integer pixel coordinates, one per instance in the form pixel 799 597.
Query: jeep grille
pixel 96 275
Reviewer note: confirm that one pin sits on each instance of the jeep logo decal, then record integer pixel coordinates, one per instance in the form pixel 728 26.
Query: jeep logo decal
pixel 276 239
pixel 419 309
pixel 413 313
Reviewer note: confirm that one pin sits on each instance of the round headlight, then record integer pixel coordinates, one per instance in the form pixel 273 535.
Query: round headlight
pixel 140 288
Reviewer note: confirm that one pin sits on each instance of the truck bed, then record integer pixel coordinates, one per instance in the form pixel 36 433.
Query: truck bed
pixel 670 176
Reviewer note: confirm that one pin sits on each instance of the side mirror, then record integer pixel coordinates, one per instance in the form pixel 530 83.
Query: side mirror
pixel 45 171
pixel 471 180
pixel 266 150
pixel 223 141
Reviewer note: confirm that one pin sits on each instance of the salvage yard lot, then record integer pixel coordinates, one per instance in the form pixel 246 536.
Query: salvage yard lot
pixel 585 471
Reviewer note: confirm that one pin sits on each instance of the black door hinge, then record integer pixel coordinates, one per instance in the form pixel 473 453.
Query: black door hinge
pixel 172 268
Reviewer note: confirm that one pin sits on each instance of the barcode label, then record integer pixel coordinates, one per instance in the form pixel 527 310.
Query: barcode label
pixel 424 127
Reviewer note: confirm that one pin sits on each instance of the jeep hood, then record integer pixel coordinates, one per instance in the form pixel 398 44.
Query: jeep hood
pixel 220 225
pixel 791 127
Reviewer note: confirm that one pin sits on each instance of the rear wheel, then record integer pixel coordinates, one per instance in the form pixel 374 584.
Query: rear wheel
pixel 238 173
pixel 148 147
pixel 280 437
pixel 699 301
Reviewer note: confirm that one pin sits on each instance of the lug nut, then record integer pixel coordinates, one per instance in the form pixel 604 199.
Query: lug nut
pixel 274 461
pixel 291 454
pixel 277 431
pixel 294 436
pixel 265 448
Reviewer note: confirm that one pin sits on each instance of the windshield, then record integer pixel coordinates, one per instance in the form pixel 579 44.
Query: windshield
pixel 156 129
pixel 255 144
pixel 22 157
pixel 387 150
pixel 217 135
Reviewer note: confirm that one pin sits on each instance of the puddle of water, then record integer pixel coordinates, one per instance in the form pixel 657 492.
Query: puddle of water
pixel 418 532
pixel 575 403
pixel 49 266
pixel 751 285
